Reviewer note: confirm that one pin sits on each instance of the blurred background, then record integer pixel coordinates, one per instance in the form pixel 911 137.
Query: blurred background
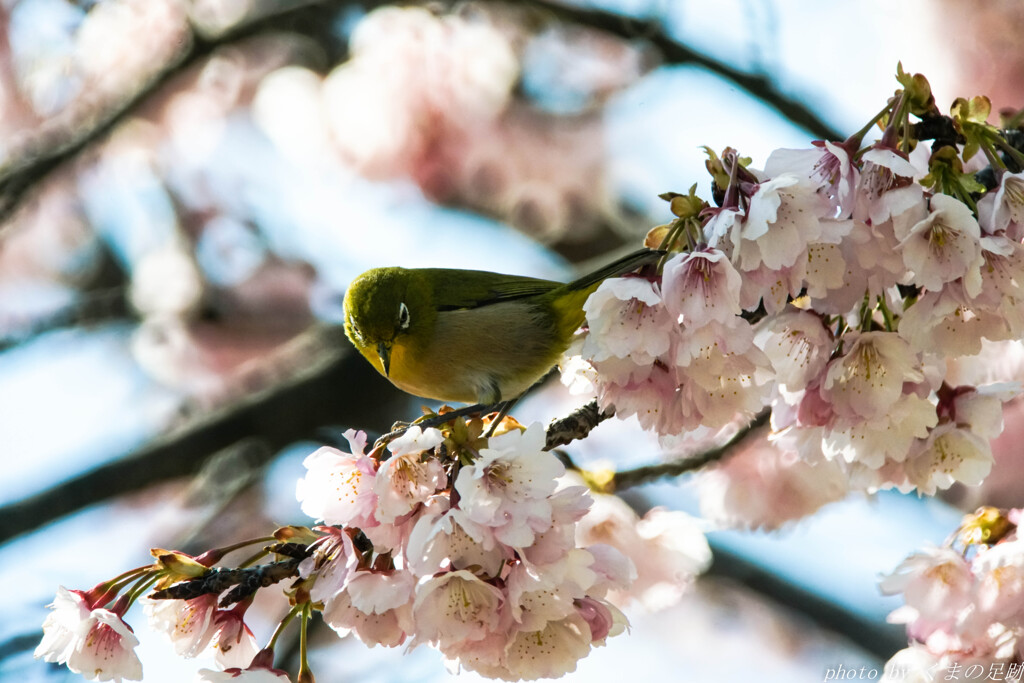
pixel 187 186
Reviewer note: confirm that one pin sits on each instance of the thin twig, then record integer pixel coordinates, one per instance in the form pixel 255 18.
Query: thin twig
pixel 575 426
pixel 642 475
pixel 245 582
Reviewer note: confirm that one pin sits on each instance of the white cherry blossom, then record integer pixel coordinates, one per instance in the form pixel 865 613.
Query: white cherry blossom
pixel 338 486
pixel 455 607
pixel 944 247
pixel 407 479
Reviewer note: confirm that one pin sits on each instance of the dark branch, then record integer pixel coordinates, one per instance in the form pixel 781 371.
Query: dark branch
pixel 643 475
pixel 674 52
pixel 57 142
pixel 318 393
pixel 575 426
pixel 242 582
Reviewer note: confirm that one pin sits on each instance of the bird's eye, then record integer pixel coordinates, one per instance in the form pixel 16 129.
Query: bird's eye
pixel 355 331
pixel 403 316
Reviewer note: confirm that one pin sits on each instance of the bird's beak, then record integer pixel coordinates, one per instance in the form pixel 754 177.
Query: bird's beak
pixel 384 351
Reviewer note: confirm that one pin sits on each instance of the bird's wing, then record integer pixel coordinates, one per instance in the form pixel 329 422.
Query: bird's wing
pixel 455 289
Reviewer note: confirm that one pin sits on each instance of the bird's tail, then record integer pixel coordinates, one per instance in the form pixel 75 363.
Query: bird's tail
pixel 626 264
pixel 574 294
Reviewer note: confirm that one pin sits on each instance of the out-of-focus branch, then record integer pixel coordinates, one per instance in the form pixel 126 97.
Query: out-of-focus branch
pixel 673 52
pixel 331 385
pixel 60 139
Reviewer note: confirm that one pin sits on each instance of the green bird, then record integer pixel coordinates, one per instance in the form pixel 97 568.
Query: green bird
pixel 468 335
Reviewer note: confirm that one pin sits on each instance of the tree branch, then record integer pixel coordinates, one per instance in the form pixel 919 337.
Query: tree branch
pixel 59 140
pixel 317 393
pixel 673 52
pixel 576 425
pixel 642 475
pixel 246 581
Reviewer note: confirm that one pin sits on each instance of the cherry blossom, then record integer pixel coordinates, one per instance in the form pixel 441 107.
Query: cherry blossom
pixel 1002 211
pixel 868 378
pixel 338 488
pixel 783 218
pixel 701 287
pixel 944 247
pixel 260 670
pixel 507 489
pixel 94 642
pixel 405 480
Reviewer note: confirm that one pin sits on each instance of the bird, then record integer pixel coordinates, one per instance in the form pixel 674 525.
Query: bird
pixel 469 336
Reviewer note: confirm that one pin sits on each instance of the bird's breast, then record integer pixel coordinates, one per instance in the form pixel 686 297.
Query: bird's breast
pixel 483 355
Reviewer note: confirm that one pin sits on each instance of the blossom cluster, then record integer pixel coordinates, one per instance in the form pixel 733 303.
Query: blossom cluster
pixel 964 603
pixel 478 560
pixel 482 547
pixel 82 633
pixel 87 631
pixel 832 287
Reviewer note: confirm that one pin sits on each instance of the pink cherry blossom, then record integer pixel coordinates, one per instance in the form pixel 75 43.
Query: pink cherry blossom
pixel 375 606
pixel 885 191
pixel 96 643
pixel 187 622
pixel 1002 211
pixel 936 583
pixel 798 345
pixel 667 550
pixel 447 539
pixel 550 652
pixel 626 320
pixel 71 609
pixel 827 165
pixel 764 486
pixel 949 454
pixel 782 219
pixel 260 670
pixel 949 323
pixel 232 640
pixel 944 247
pixel 887 437
pixel 700 287
pixel 868 378
pixel 333 560
pixel 507 488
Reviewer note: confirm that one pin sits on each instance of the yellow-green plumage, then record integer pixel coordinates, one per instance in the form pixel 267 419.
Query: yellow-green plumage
pixel 467 335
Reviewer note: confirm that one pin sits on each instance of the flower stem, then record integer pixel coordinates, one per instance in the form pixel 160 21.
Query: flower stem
pixel 305 673
pixel 287 619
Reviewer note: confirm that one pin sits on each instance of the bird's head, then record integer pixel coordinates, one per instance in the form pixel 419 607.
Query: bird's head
pixel 385 306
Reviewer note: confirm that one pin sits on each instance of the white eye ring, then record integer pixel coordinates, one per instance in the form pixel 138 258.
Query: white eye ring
pixel 403 316
pixel 355 331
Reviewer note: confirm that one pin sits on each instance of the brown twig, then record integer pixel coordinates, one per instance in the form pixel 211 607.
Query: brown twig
pixel 642 475
pixel 245 581
pixel 575 426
